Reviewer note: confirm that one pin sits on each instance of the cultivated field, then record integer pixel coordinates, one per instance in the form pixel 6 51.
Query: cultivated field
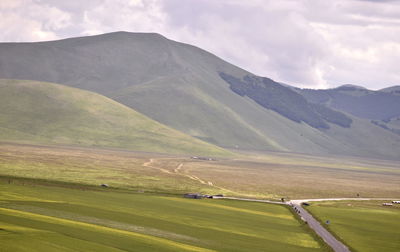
pixel 268 175
pixel 66 217
pixel 362 225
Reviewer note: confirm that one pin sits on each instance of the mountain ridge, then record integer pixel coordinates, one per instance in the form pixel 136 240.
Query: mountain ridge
pixel 179 85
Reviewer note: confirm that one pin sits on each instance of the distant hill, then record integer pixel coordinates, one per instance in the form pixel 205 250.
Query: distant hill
pixel 197 93
pixel 350 87
pixel 393 90
pixel 47 113
pixel 358 101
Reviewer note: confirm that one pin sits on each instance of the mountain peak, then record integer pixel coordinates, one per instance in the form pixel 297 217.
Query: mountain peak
pixel 350 87
pixel 132 34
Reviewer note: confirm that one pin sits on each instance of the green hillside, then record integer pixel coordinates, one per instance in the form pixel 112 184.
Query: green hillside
pixel 39 112
pixel 180 86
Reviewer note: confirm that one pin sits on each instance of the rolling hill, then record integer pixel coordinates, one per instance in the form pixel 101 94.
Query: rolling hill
pixel 48 113
pixel 358 101
pixel 393 90
pixel 197 93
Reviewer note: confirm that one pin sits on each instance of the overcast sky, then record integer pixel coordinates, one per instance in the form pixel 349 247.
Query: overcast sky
pixel 306 43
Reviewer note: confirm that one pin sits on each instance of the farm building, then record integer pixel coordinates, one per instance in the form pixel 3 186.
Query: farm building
pixel 387 204
pixel 193 195
pixel 396 201
pixel 203 158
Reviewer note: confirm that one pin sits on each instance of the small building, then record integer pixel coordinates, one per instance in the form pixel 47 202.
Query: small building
pixel 396 201
pixel 104 185
pixel 203 158
pixel 193 195
pixel 387 204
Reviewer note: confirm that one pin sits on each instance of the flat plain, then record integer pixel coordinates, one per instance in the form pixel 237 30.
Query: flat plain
pixel 66 217
pixel 50 196
pixel 362 225
pixel 268 175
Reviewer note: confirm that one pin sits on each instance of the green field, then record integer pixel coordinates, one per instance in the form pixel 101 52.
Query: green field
pixel 362 225
pixel 59 217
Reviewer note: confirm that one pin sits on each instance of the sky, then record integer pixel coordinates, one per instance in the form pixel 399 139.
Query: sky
pixel 305 43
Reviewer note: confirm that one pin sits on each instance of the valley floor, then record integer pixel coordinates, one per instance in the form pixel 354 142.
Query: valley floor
pixel 51 199
pixel 43 218
pixel 268 176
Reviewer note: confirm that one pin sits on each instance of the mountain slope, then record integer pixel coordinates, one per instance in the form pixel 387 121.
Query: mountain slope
pixel 395 90
pixel 358 101
pixel 39 112
pixel 181 86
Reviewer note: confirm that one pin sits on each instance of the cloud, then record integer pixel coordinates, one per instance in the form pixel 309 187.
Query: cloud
pixel 301 42
pixel 133 15
pixel 26 20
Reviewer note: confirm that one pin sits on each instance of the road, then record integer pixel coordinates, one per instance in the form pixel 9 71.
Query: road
pixel 335 244
pixel 254 200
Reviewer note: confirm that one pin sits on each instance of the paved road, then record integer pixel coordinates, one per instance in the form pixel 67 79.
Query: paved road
pixel 312 222
pixel 318 228
pixel 336 199
pixel 254 200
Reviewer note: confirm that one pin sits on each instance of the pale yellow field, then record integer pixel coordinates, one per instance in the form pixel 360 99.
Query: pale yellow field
pixel 267 175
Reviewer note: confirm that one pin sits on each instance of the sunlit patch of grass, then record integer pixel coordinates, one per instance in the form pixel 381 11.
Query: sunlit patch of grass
pixel 363 225
pixel 126 221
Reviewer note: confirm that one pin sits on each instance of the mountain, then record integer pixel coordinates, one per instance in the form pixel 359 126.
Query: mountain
pixel 393 90
pixel 350 87
pixel 358 101
pixel 48 113
pixel 197 93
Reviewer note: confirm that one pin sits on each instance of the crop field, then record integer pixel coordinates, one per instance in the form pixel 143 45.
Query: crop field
pixel 270 175
pixel 362 225
pixel 60 217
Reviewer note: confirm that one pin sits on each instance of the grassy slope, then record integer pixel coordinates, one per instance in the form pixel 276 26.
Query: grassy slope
pixel 179 86
pixel 38 218
pixel 49 113
pixel 365 226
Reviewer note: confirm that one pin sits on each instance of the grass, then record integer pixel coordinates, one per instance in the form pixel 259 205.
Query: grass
pixel 276 175
pixel 271 176
pixel 363 225
pixel 118 169
pixel 48 113
pixel 39 218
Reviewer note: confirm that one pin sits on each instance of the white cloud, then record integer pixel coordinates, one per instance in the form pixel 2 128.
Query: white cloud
pixel 26 20
pixel 302 42
pixel 133 15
